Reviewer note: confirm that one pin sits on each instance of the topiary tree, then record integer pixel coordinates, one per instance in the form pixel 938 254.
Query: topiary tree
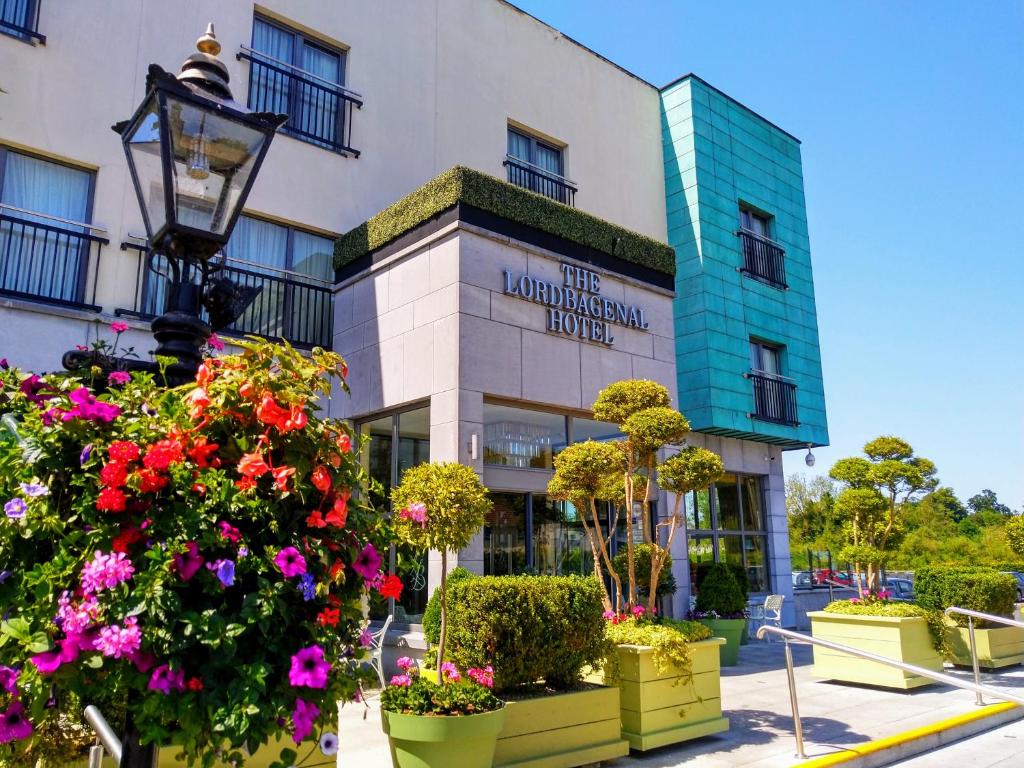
pixel 887 476
pixel 642 561
pixel 1015 534
pixel 720 593
pixel 440 506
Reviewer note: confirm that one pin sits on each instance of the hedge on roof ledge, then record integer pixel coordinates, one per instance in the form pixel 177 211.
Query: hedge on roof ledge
pixel 464 185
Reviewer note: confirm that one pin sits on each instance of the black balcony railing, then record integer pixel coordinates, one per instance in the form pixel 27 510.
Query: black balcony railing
pixel 318 112
pixel 774 398
pixel 20 19
pixel 47 263
pixel 529 176
pixel 763 259
pixel 292 308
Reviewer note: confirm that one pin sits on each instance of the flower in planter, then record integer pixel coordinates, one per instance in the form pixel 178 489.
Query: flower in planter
pixel 13 724
pixel 15 508
pixel 290 562
pixel 304 716
pixel 166 680
pixel 329 744
pixel 368 563
pixel 309 668
pixel 450 672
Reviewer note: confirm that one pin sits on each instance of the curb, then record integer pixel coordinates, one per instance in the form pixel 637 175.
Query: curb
pixel 882 752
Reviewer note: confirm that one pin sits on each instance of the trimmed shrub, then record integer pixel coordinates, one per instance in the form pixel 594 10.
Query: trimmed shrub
pixel 737 570
pixel 642 569
pixel 529 628
pixel 464 185
pixel 432 613
pixel 977 589
pixel 720 592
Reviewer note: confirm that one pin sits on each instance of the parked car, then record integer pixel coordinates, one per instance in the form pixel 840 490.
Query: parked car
pixel 1020 584
pixel 824 575
pixel 899 589
pixel 802 580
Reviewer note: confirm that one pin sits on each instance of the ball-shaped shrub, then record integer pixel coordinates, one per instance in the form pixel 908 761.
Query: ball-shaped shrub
pixel 432 612
pixel 642 564
pixel 720 593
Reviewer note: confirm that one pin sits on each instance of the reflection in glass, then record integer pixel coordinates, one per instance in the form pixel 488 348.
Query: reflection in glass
pixel 752 514
pixel 698 510
pixel 560 544
pixel 730 550
pixel 505 535
pixel 516 437
pixel 701 550
pixel 728 500
pixel 588 429
pixel 757 573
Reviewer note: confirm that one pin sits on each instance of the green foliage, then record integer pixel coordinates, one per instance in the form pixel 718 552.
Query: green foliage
pixel 530 628
pixel 420 697
pixel 987 501
pixel 465 186
pixel 587 469
pixel 652 428
pixel 935 619
pixel 456 505
pixel 1015 534
pixel 813 522
pixel 977 589
pixel 691 469
pixel 669 639
pixel 621 399
pixel 720 593
pixel 642 562
pixel 432 613
pixel 739 573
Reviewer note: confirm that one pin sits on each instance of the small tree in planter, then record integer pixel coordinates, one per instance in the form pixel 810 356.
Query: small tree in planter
pixel 441 507
pixel 721 605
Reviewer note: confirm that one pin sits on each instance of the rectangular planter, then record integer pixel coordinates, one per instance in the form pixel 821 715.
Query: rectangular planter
pixel 997 647
pixel 897 638
pixel 561 731
pixel 660 708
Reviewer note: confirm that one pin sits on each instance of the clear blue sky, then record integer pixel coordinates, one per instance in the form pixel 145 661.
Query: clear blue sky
pixel 912 125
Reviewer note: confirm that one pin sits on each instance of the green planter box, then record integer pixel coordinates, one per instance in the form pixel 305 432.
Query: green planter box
pixel 560 731
pixel 900 639
pixel 436 742
pixel 997 647
pixel 658 709
pixel 732 631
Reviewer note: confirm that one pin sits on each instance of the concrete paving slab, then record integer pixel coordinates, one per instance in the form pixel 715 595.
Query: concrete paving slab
pixel 998 748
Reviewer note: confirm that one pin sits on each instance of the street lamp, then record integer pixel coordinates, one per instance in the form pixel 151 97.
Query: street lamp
pixel 193 153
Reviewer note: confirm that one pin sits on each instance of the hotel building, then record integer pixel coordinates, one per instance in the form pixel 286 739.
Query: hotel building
pixel 490 221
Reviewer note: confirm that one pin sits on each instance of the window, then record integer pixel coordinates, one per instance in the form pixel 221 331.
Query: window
pixel 410 432
pixel 726 525
pixel 517 437
pixel 20 19
pixel 763 258
pixel 293 74
pixel 774 394
pixel 538 166
pixel 45 239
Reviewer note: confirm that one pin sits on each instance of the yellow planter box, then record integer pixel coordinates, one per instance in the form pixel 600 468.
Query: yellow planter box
pixel 561 731
pixel 657 708
pixel 997 647
pixel 261 758
pixel 903 639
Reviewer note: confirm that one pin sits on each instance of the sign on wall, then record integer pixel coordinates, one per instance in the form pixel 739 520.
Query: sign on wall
pixel 576 307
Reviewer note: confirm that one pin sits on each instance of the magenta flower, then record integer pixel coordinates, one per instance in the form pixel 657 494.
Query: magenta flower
pixel 291 562
pixel 143 661
pixel 484 677
pixel 309 668
pixel 8 679
pixel 215 342
pixel 119 377
pixel 229 532
pixel 89 408
pixel 405 663
pixel 34 388
pixel 13 724
pixel 417 513
pixel 75 619
pixel 106 572
pixel 365 638
pixel 65 652
pixel 188 563
pixel 165 679
pixel 119 642
pixel 368 562
pixel 118 327
pixel 303 718
pixel 638 611
pixel 403 681
pixel 450 672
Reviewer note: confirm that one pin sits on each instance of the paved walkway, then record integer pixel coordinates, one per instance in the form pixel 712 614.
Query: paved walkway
pixel 998 748
pixel 755 698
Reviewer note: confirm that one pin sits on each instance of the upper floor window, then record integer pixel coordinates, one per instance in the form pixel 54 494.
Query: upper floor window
pixel 20 19
pixel 293 74
pixel 774 394
pixel 763 258
pixel 45 236
pixel 538 166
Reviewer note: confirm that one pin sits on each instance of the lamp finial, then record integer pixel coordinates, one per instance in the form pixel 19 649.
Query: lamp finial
pixel 208 43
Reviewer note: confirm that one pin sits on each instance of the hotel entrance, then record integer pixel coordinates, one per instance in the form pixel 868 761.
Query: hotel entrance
pixel 532 533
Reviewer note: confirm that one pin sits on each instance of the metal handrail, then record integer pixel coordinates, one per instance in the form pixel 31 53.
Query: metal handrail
pixel 971 616
pixel 72 222
pixel 790 636
pixel 105 734
pixel 304 72
pixel 543 171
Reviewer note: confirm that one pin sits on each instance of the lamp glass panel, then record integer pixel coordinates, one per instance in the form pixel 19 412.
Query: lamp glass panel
pixel 143 149
pixel 212 159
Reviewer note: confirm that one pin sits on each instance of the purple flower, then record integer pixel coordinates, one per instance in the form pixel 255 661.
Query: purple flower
pixel 33 388
pixel 303 718
pixel 165 679
pixel 15 509
pixel 33 490
pixel 8 679
pixel 309 668
pixel 329 744
pixel 84 455
pixel 89 408
pixel 224 570
pixel 365 638
pixel 189 562
pixel 5 575
pixel 308 587
pixel 4 365
pixel 13 725
pixel 291 562
pixel 119 377
pixel 368 562
pixel 243 551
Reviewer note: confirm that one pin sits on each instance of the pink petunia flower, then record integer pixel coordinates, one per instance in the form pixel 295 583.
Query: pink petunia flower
pixel 368 563
pixel 291 562
pixel 303 718
pixel 309 668
pixel 188 563
pixel 165 679
pixel 215 342
pixel 106 572
pixel 13 724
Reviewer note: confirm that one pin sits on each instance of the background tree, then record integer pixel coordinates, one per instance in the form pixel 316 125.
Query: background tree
pixel 813 522
pixel 1015 534
pixel 987 501
pixel 888 474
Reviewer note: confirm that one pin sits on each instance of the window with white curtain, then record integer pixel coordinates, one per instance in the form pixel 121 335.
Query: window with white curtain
pixel 17 17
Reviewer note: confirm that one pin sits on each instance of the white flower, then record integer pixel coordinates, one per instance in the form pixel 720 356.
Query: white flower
pixel 329 744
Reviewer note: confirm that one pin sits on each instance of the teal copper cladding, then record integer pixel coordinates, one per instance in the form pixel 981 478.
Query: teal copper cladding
pixel 738 224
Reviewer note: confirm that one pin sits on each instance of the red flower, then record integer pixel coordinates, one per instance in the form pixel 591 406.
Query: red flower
pixel 336 570
pixel 338 515
pixel 129 535
pixel 123 452
pixel 110 500
pixel 296 419
pixel 199 488
pixel 321 479
pixel 114 475
pixel 246 390
pixel 316 520
pixel 253 465
pixel 151 482
pixel 198 399
pixel 245 484
pixel 205 374
pixel 269 412
pixel 162 454
pixel 281 475
pixel 194 684
pixel 328 617
pixel 229 532
pixel 391 588
pixel 345 443
pixel 201 452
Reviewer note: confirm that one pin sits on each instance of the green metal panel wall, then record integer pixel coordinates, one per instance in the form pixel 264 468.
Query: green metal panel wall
pixel 717 155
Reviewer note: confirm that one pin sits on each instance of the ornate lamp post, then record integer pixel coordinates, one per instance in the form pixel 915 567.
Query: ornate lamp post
pixel 193 153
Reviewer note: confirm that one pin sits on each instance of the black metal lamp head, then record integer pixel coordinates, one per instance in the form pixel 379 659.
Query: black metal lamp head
pixel 193 153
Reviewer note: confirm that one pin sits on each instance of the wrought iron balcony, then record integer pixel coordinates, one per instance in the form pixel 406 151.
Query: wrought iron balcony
pixel 290 306
pixel 774 398
pixel 20 19
pixel 319 111
pixel 763 259
pixel 536 179
pixel 47 263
